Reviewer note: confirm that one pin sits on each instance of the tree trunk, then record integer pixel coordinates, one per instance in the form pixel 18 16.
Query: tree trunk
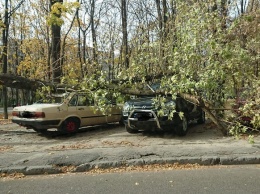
pixel 165 19
pixel 160 21
pixel 124 53
pixel 163 31
pixel 49 73
pixel 93 31
pixel 199 102
pixel 56 48
pixel 82 46
pixel 253 5
pixel 4 56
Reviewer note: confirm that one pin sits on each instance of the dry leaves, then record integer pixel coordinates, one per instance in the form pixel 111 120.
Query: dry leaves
pixel 66 169
pixel 5 148
pixel 72 147
pixel 13 175
pixel 152 167
pixel 121 143
pixel 5 121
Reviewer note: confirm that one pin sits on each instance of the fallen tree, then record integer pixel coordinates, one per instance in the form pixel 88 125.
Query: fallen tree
pixel 118 86
pixel 19 82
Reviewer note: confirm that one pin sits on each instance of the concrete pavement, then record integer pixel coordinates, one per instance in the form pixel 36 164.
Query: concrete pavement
pixel 204 147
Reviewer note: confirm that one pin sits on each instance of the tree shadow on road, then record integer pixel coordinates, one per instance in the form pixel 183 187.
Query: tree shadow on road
pixel 84 131
pixel 195 131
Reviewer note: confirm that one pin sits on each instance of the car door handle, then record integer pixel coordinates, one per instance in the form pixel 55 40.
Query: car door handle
pixel 80 108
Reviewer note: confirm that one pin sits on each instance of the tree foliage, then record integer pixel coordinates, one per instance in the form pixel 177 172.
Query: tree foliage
pixel 207 51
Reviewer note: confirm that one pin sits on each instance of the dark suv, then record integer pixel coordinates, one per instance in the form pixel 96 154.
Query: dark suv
pixel 144 114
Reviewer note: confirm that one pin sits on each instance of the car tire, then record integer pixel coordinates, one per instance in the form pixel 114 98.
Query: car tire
pixel 202 118
pixel 70 125
pixel 129 130
pixel 182 128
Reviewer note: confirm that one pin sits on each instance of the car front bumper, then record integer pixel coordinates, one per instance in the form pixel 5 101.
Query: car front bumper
pixel 147 120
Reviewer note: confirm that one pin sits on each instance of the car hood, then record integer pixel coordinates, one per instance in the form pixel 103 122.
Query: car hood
pixel 35 107
pixel 148 101
pixel 143 103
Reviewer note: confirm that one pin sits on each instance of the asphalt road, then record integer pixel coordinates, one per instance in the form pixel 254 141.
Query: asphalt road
pixel 213 180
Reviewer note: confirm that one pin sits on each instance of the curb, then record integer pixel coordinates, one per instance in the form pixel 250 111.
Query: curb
pixel 205 161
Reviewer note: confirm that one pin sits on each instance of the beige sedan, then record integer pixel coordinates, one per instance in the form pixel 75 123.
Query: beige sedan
pixel 66 112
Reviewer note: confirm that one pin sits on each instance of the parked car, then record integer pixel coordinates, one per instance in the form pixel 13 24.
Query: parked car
pixel 66 112
pixel 142 114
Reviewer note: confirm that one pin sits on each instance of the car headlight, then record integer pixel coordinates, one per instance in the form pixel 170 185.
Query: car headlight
pixel 169 108
pixel 126 109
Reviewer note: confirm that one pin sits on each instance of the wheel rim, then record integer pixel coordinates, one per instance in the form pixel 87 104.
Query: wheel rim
pixel 71 126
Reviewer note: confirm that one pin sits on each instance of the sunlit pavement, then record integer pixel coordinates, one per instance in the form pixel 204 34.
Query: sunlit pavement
pixel 27 152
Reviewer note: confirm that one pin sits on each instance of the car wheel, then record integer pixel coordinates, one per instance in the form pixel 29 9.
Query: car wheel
pixel 129 130
pixel 70 125
pixel 182 128
pixel 202 118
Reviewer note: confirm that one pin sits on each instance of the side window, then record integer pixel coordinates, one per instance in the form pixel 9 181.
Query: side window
pixel 81 101
pixel 186 106
pixel 84 100
pixel 73 101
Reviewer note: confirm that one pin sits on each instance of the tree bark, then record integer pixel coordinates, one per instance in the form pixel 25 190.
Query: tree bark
pixel 56 48
pixel 4 56
pixel 93 31
pixel 163 30
pixel 124 53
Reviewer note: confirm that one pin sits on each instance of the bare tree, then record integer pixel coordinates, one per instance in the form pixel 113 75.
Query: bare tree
pixel 82 47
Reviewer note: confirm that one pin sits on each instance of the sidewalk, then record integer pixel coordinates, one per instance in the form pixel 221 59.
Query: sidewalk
pixel 198 147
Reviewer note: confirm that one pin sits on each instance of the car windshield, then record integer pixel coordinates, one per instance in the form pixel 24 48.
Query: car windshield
pixel 54 98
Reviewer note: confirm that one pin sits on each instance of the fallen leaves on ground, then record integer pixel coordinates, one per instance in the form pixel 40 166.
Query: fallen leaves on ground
pixel 5 121
pixel 66 169
pixel 4 148
pixel 142 168
pixel 72 147
pixel 116 144
pixel 13 175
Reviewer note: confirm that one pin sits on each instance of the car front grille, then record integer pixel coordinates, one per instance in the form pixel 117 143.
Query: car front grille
pixel 142 116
